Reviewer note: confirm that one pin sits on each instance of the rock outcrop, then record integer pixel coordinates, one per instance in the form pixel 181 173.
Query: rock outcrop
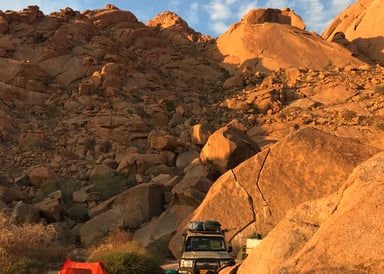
pixel 342 231
pixel 361 25
pixel 227 147
pixel 278 44
pixel 255 196
pixel 174 28
pixel 285 16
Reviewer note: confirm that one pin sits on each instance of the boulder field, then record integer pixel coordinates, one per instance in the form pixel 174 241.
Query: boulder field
pixel 111 124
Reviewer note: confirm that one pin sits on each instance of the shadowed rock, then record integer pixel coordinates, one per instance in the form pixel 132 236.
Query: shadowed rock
pixel 361 23
pixel 342 231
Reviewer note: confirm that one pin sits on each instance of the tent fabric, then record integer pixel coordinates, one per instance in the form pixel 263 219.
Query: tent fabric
pixel 70 267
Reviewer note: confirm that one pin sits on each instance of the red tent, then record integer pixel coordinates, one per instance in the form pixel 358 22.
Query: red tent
pixel 70 267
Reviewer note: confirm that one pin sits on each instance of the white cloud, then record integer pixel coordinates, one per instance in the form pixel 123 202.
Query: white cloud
pixel 339 5
pixel 173 5
pixel 313 14
pixel 220 10
pixel 221 14
pixel 194 6
pixel 276 4
pixel 193 13
pixel 219 27
pixel 246 7
pixel 44 5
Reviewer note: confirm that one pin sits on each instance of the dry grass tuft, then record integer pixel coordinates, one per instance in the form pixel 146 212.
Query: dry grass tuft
pixel 119 240
pixel 25 243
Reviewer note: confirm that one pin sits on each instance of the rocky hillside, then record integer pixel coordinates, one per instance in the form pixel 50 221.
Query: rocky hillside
pixel 108 123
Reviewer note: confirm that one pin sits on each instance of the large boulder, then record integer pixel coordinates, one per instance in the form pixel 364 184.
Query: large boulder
pixel 191 190
pixel 112 15
pixel 107 125
pixel 8 195
pixel 95 229
pixel 160 141
pixel 52 209
pixel 174 28
pixel 14 67
pixel 25 213
pixel 141 38
pixel 142 163
pixel 342 232
pixel 273 46
pixel 227 147
pixel 361 25
pixel 186 158
pixel 163 226
pixel 199 134
pixel 140 203
pixel 261 190
pixel 66 68
pixel 128 210
pixel 42 176
pixel 284 16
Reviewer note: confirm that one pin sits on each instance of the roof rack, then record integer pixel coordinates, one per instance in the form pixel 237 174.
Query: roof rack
pixel 205 227
pixel 206 231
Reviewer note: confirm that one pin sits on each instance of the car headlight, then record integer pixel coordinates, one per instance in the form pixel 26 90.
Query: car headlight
pixel 226 262
pixel 186 263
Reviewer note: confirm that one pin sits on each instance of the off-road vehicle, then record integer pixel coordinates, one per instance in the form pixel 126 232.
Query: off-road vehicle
pixel 205 250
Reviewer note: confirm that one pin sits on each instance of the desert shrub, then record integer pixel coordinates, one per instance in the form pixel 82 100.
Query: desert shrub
pixel 170 105
pixel 118 241
pixel 122 255
pixel 159 249
pixel 44 190
pixel 117 262
pixel 121 237
pixel 66 185
pixel 26 265
pixel 24 246
pixel 112 184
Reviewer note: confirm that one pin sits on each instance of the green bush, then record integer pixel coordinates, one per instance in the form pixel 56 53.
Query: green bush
pixel 118 262
pixel 66 185
pixel 159 249
pixel 110 184
pixel 26 265
pixel 43 191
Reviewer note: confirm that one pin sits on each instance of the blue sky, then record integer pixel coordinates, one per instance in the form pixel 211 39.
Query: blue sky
pixel 212 17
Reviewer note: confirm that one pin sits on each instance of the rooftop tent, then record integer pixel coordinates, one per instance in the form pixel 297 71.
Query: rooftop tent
pixel 70 267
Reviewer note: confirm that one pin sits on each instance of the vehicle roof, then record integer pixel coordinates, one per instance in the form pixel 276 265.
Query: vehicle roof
pixel 204 233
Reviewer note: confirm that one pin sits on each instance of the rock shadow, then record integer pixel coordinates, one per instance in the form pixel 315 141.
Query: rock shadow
pixel 372 48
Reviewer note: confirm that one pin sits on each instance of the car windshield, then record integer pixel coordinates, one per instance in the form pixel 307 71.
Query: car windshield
pixel 201 243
